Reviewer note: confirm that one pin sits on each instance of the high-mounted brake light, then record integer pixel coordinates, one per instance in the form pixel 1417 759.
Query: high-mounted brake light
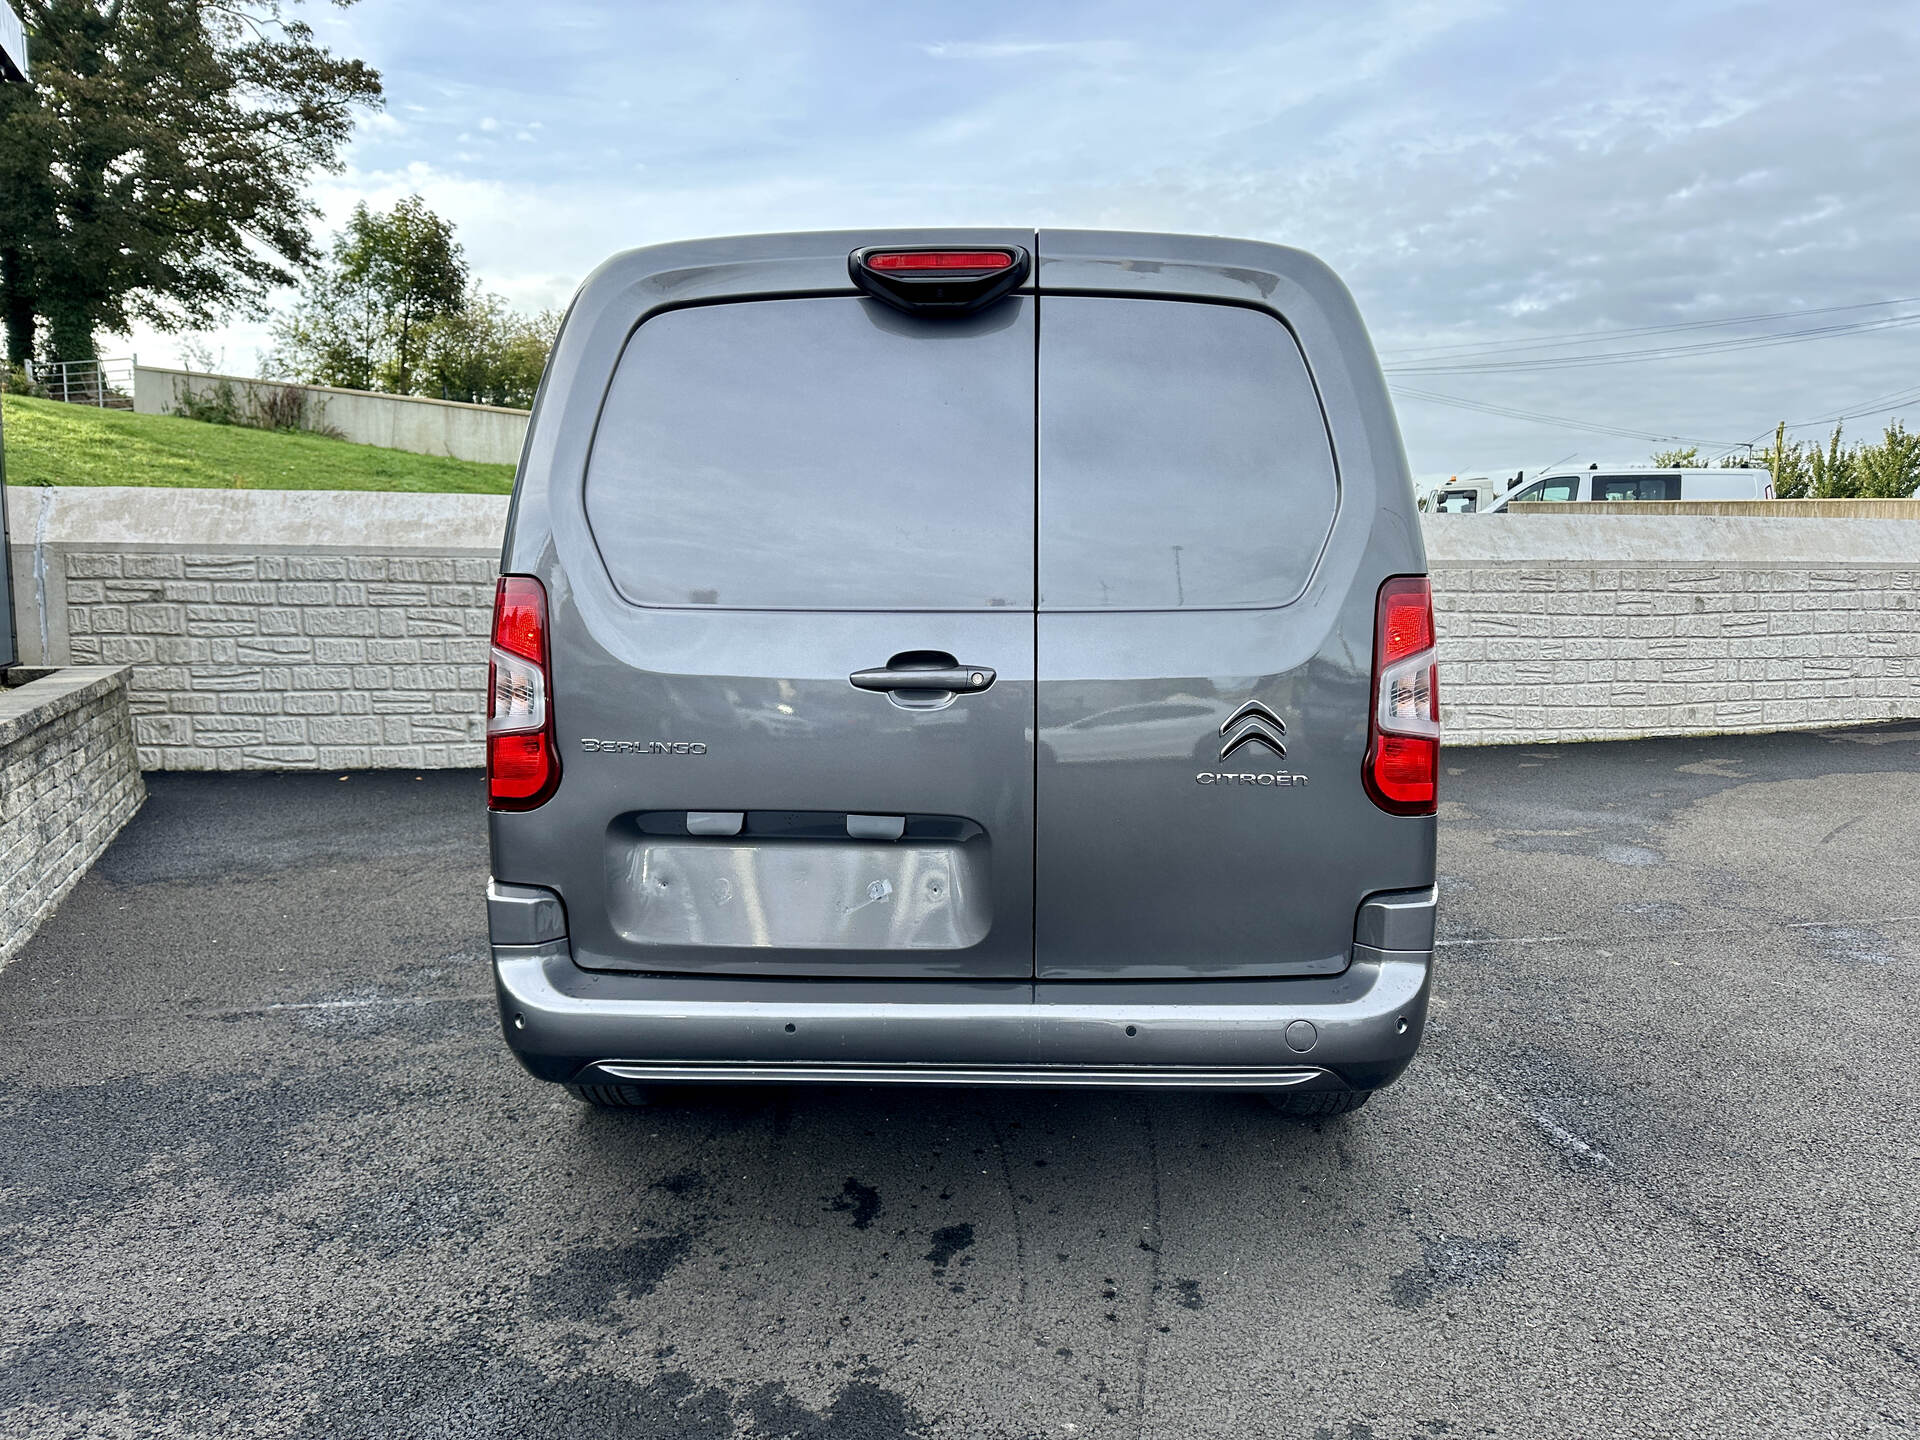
pixel 523 762
pixel 1403 732
pixel 939 259
pixel 939 279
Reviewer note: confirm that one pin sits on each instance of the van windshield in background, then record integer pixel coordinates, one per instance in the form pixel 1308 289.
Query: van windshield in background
pixel 1561 487
pixel 1184 460
pixel 1457 502
pixel 819 454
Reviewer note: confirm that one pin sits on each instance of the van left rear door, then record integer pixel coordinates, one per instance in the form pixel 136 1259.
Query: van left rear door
pixel 797 724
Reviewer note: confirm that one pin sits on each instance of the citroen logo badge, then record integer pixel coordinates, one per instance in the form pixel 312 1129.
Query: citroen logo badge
pixel 1253 722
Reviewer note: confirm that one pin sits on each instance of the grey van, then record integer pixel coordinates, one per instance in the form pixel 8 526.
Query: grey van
pixel 971 657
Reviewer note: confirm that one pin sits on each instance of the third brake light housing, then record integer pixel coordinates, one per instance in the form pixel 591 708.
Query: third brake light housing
pixel 939 279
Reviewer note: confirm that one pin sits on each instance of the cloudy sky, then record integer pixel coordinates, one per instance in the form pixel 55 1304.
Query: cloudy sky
pixel 1486 174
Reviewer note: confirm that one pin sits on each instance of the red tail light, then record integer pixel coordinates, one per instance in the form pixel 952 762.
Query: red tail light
pixel 1403 735
pixel 523 763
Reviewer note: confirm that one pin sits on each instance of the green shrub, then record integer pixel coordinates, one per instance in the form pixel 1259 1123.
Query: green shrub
pixel 288 408
pixel 218 406
pixel 291 408
pixel 14 380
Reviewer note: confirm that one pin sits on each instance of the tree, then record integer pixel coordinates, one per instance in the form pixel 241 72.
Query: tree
pixel 1891 469
pixel 362 320
pixel 409 261
pixel 487 354
pixel 1687 459
pixel 334 335
pixel 1834 471
pixel 156 166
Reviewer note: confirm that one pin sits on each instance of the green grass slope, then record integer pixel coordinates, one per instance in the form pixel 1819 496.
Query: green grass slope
pixel 48 443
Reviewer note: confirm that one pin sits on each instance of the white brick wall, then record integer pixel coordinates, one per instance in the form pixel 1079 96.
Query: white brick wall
pixel 68 782
pixel 1614 626
pixel 287 630
pixel 292 661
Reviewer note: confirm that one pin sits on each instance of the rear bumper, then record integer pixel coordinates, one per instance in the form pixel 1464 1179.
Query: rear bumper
pixel 1358 1029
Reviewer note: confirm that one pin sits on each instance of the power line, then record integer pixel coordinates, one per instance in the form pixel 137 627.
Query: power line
pixel 1469 349
pixel 1565 422
pixel 1878 405
pixel 1671 352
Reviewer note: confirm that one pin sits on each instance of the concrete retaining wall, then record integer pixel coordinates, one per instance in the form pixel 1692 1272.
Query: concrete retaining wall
pixel 332 629
pixel 68 782
pixel 271 630
pixel 1606 626
pixel 399 422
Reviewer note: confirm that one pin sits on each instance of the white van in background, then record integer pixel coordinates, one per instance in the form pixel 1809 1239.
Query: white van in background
pixel 1475 494
pixel 1624 483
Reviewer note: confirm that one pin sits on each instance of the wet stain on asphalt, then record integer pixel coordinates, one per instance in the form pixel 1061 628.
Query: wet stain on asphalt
pixel 949 1241
pixel 1854 944
pixel 681 1183
pixel 82 1149
pixel 860 1411
pixel 1449 1262
pixel 862 1200
pixel 588 1280
pixel 444 1392
pixel 74 1370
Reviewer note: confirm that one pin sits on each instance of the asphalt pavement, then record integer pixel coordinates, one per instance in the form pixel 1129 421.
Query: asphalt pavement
pixel 267 1170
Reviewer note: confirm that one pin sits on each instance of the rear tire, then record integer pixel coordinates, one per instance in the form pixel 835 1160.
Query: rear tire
pixel 615 1097
pixel 1317 1104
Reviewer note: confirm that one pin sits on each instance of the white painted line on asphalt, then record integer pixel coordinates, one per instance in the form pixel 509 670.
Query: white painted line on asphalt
pixel 1675 934
pixel 1565 1141
pixel 52 1022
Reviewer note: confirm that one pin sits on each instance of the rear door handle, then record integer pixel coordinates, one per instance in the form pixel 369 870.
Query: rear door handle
pixel 960 678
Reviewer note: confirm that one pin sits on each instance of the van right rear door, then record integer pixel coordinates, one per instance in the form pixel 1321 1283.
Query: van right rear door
pixel 1202 700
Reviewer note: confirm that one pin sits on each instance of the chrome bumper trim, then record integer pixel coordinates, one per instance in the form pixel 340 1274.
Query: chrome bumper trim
pixel 663 1072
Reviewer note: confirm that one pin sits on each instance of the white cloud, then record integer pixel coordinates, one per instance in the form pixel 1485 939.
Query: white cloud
pixel 1477 170
pixel 1085 51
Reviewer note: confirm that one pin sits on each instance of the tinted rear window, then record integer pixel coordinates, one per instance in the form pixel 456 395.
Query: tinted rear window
pixel 1183 458
pixel 819 454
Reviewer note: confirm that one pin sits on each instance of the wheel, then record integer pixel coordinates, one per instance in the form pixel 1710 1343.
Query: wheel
pixel 615 1097
pixel 1317 1104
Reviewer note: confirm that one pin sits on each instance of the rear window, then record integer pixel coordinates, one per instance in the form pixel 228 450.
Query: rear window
pixel 819 454
pixel 1184 461
pixel 1636 487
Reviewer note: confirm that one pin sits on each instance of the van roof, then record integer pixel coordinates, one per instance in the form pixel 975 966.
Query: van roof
pixel 1648 470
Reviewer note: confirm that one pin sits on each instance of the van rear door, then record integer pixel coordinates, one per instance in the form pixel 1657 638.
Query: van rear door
pixel 794 667
pixel 1202 713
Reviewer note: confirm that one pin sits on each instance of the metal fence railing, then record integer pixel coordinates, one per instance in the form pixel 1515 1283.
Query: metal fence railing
pixel 105 383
